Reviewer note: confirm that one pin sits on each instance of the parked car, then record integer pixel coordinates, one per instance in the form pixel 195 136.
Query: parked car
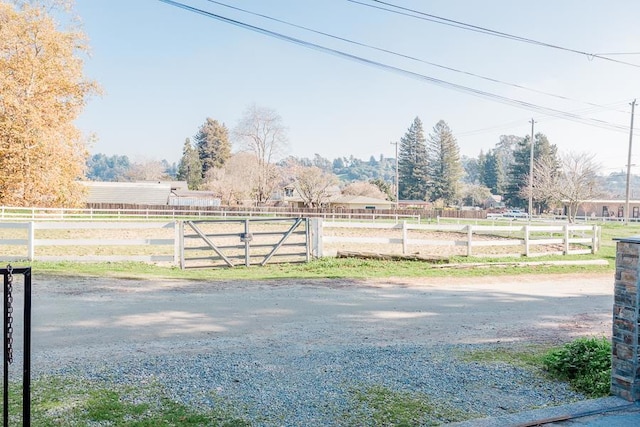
pixel 515 213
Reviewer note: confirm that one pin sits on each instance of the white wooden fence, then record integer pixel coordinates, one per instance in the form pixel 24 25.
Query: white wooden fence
pixel 180 213
pixel 160 241
pixel 573 239
pixel 103 235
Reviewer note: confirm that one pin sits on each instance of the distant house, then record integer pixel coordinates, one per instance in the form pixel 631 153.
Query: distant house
pixel 413 204
pixel 335 200
pixel 157 193
pixel 360 202
pixel 607 208
pixel 493 202
pixel 127 193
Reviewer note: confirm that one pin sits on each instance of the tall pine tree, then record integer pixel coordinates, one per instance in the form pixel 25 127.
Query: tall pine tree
pixel 190 166
pixel 445 171
pixel 518 177
pixel 413 163
pixel 212 142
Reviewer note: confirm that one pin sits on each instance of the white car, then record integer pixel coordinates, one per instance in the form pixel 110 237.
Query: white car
pixel 515 213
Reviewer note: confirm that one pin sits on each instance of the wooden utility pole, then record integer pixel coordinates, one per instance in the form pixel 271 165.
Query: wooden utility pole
pixel 628 192
pixel 397 177
pixel 531 173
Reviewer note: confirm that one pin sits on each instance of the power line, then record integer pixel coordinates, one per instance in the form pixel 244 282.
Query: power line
pixel 518 123
pixel 412 58
pixel 405 11
pixel 438 82
pixel 618 53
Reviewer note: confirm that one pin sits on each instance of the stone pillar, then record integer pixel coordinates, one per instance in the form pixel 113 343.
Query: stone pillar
pixel 625 362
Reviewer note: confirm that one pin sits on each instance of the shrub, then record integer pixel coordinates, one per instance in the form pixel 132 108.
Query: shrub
pixel 585 363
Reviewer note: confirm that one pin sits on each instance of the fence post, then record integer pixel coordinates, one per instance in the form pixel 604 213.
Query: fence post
pixel 566 240
pixel 594 240
pixel 527 246
pixel 307 237
pixel 247 243
pixel 31 241
pixel 316 237
pixel 176 244
pixel 469 238
pixel 404 237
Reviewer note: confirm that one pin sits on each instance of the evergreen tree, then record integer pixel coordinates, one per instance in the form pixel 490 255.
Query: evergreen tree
pixel 190 166
pixel 413 163
pixel 518 177
pixel 101 167
pixel 445 169
pixel 212 142
pixel 492 173
pixel 504 158
pixel 472 168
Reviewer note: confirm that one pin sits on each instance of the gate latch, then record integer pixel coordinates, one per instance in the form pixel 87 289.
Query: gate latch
pixel 246 237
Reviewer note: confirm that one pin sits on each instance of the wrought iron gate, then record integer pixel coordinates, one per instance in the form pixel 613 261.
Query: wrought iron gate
pixel 255 241
pixel 9 274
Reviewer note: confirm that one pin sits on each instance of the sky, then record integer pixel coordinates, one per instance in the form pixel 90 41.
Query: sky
pixel 164 70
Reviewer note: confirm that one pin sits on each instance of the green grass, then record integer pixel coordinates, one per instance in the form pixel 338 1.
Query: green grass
pixel 332 268
pixel 60 401
pixel 584 363
pixel 380 406
pixel 528 357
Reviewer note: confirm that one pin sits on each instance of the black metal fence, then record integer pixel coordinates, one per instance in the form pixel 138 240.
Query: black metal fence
pixel 9 273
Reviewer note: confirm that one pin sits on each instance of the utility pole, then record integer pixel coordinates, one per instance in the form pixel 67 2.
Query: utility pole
pixel 397 177
pixel 531 173
pixel 626 205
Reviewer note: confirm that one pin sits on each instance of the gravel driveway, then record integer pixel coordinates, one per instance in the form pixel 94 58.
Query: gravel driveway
pixel 293 352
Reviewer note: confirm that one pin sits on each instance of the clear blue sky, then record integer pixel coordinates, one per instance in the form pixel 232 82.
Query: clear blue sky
pixel 165 70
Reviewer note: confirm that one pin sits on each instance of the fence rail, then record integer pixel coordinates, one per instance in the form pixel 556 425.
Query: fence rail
pixel 152 213
pixel 470 236
pixel 95 241
pixel 160 241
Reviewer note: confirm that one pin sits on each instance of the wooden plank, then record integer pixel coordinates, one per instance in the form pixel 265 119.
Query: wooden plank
pixel 391 257
pixel 439 227
pixel 14 225
pixel 478 243
pixel 374 240
pixel 546 241
pixel 587 240
pixel 102 242
pixel 14 242
pixel 121 225
pixel 107 258
pixel 437 242
pixel 372 225
pixel 498 228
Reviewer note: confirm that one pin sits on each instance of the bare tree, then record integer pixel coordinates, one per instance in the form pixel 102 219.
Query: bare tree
pixel 361 188
pixel 261 131
pixel 233 182
pixel 575 183
pixel 474 194
pixel 147 170
pixel 313 185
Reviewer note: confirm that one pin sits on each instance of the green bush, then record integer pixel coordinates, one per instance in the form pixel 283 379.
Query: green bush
pixel 585 363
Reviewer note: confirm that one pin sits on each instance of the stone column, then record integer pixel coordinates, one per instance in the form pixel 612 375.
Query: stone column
pixel 625 362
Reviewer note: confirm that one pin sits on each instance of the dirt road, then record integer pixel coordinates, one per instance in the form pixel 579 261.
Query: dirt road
pixel 93 317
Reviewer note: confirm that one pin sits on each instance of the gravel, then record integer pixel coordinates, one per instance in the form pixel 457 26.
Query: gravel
pixel 297 353
pixel 273 386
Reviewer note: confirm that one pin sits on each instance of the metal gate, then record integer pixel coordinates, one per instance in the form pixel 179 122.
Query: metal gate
pixel 9 274
pixel 255 241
